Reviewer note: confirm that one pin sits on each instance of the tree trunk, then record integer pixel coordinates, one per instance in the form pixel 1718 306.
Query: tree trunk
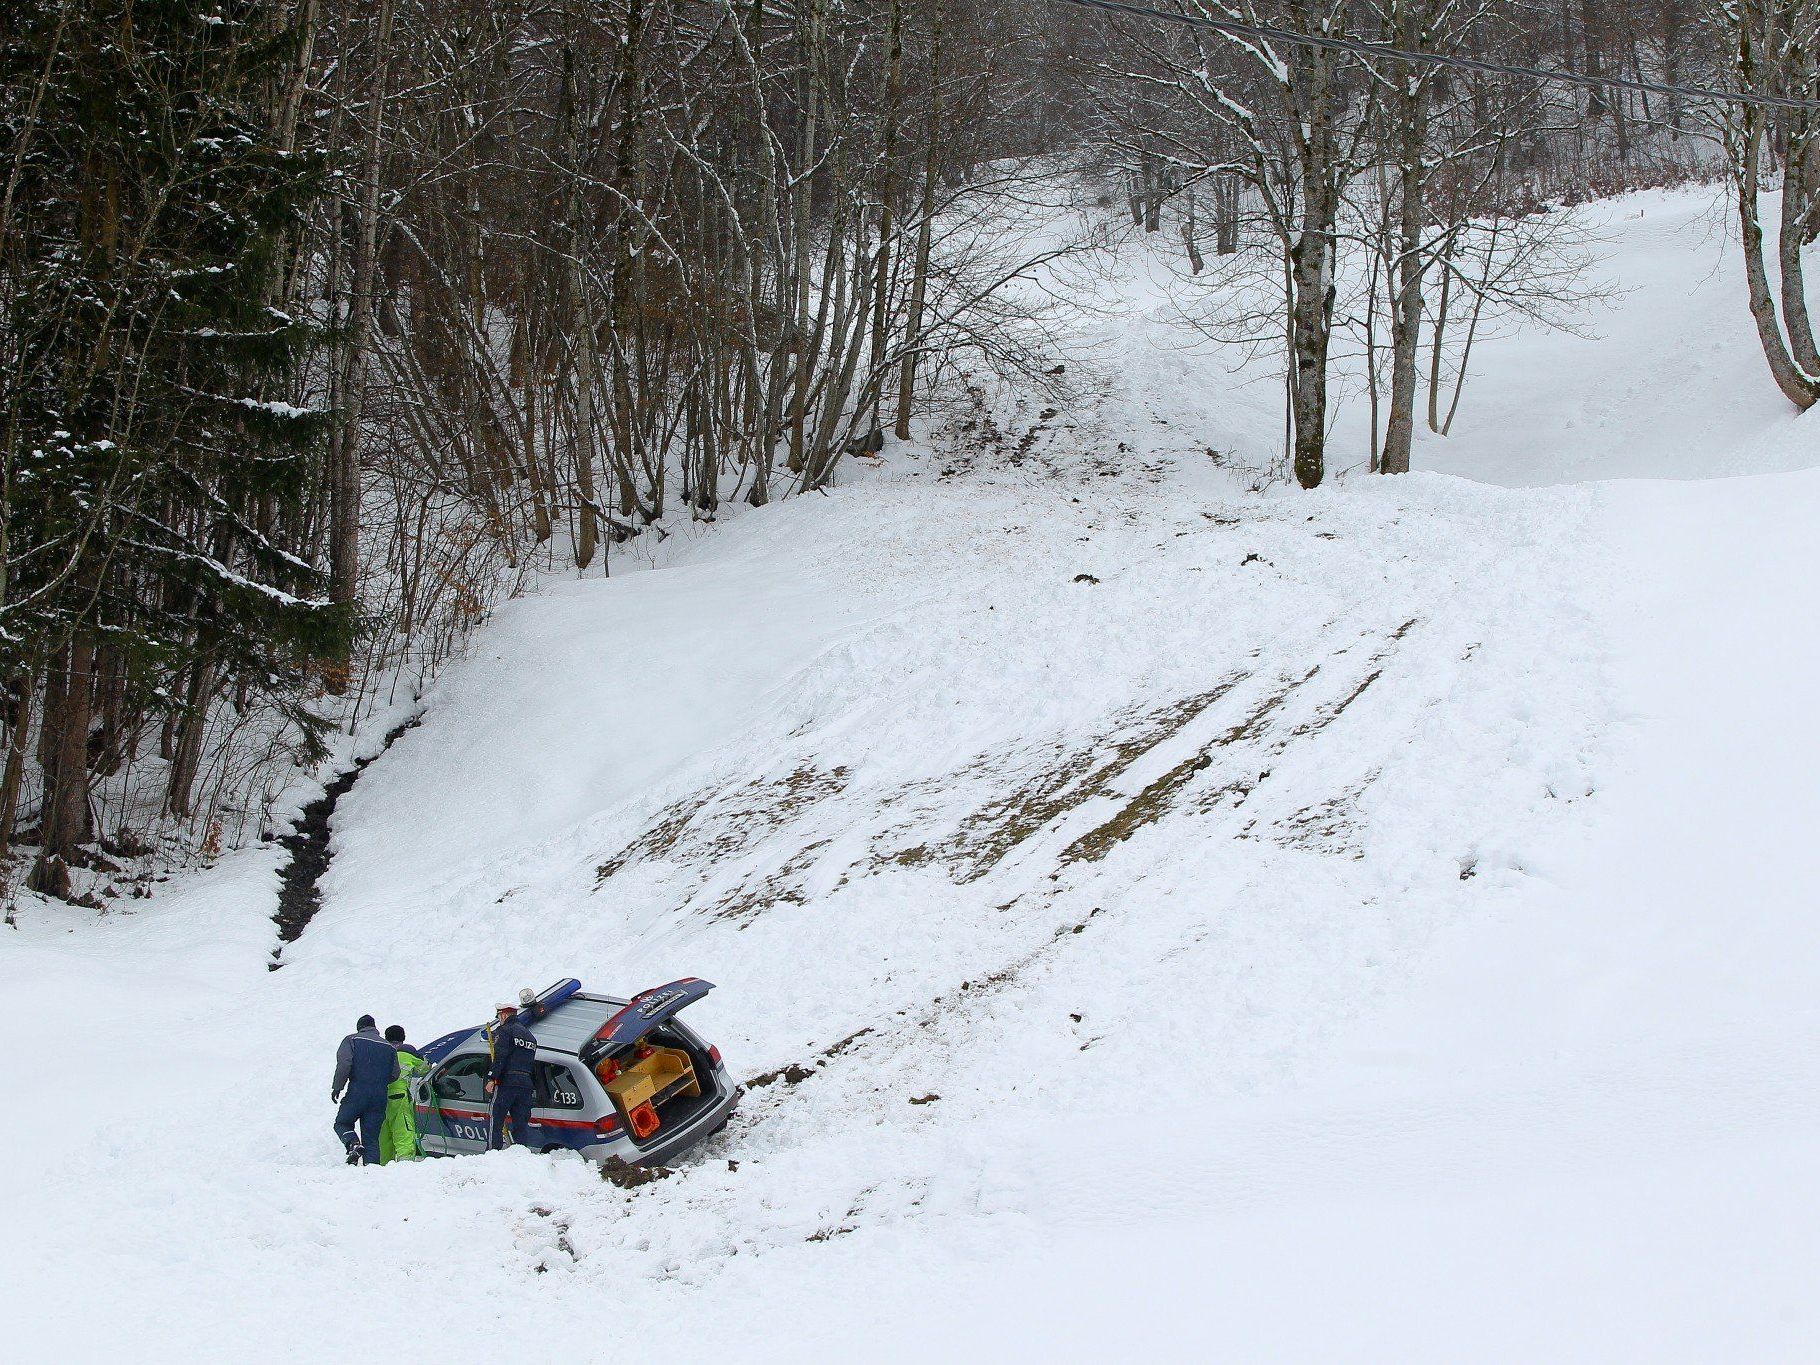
pixel 1226 215
pixel 1406 314
pixel 1796 194
pixel 344 460
pixel 186 761
pixel 1310 320
pixel 1312 243
pixel 925 236
pixel 63 753
pixel 1440 332
pixel 887 203
pixel 581 331
pixel 1190 239
pixel 14 778
pixel 1800 389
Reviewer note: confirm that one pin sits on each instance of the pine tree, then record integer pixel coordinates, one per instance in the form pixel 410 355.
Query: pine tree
pixel 156 478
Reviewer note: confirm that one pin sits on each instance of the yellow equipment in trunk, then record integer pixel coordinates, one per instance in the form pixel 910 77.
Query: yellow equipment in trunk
pixel 638 1086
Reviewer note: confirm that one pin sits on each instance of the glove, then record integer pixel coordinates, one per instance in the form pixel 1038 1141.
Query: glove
pixel 334 1095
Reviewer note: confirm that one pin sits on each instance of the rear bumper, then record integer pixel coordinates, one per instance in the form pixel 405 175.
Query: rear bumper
pixel 671 1145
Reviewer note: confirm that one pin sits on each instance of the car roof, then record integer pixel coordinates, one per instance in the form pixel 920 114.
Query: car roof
pixel 567 1028
pixel 574 1021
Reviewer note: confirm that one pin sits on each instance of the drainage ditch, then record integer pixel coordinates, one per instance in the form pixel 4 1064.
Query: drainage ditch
pixel 299 889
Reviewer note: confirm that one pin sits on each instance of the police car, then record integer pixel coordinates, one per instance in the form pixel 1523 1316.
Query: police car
pixel 613 1078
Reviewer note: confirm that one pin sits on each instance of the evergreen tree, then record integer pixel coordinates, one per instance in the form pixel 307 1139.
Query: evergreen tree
pixel 157 481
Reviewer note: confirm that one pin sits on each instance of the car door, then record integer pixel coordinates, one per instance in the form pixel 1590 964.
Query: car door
pixel 455 1117
pixel 561 1112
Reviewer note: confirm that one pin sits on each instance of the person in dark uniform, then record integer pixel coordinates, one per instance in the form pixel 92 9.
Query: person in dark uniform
pixel 365 1067
pixel 509 1078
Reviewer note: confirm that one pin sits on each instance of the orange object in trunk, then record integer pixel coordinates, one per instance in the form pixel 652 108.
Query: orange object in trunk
pixel 644 1121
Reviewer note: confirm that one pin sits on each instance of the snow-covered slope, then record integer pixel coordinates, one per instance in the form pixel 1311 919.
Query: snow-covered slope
pixel 1367 924
pixel 1665 379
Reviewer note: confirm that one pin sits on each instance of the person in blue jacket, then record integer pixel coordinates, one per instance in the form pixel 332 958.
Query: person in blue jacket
pixel 365 1067
pixel 509 1078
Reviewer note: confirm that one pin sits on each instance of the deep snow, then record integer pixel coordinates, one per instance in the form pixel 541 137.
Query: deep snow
pixel 1452 993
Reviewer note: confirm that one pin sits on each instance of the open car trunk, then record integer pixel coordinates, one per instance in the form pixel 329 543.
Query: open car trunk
pixel 677 1106
pixel 656 1077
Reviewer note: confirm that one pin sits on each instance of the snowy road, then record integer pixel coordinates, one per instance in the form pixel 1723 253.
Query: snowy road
pixel 1371 925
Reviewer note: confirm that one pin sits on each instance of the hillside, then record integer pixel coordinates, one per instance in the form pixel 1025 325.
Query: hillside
pixel 1360 924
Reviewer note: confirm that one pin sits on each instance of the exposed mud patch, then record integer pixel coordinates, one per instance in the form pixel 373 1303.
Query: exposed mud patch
pixel 783 886
pixel 1071 779
pixel 1160 795
pixel 792 1074
pixel 1330 826
pixel 733 852
pixel 299 891
pixel 616 1171
pixel 656 841
pixel 705 826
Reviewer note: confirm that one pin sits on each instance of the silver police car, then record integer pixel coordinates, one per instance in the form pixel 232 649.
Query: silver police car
pixel 613 1078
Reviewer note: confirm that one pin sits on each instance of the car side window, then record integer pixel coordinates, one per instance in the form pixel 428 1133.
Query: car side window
pixel 554 1086
pixel 465 1078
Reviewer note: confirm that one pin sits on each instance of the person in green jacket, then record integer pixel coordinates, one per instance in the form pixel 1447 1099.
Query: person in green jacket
pixel 398 1138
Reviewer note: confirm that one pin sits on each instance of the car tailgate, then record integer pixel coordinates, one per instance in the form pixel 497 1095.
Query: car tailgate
pixel 644 1012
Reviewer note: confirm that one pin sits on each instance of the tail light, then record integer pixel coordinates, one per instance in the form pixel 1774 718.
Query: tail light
pixel 714 1054
pixel 609 1124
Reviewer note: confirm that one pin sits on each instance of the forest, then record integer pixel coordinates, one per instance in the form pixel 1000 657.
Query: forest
pixel 325 326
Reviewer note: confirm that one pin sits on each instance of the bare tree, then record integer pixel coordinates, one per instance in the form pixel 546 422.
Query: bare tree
pixel 1773 47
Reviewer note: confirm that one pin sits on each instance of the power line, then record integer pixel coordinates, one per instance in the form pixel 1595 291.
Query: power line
pixel 1235 29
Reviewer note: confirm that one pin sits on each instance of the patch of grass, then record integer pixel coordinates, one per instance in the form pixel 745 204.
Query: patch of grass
pixel 655 842
pixel 1156 798
pixel 997 828
pixel 746 901
pixel 708 825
